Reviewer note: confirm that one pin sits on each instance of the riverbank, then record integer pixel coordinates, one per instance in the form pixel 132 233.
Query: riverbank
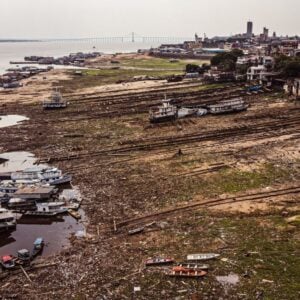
pixel 230 190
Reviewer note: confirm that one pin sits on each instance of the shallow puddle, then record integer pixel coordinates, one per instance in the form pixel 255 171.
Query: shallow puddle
pixel 55 232
pixel 11 120
pixel 16 161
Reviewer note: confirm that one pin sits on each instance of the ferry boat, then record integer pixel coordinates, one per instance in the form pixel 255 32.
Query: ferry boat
pixel 164 113
pixel 52 176
pixel 228 106
pixel 48 209
pixel 55 102
pixel 7 220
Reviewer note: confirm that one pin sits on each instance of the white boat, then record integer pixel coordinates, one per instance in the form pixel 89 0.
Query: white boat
pixel 20 204
pixel 55 102
pixel 202 256
pixel 52 176
pixel 8 188
pixel 7 220
pixel 48 209
pixel 164 113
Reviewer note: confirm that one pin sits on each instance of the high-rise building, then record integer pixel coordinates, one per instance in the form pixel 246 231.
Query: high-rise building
pixel 266 32
pixel 249 29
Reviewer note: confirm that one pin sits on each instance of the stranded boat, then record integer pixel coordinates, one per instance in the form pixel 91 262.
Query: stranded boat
pixel 228 106
pixel 24 255
pixel 204 256
pixel 194 266
pixel 38 247
pixel 184 272
pixel 52 176
pixel 7 220
pixel 49 209
pixel 55 102
pixel 166 112
pixel 7 262
pixel 159 261
pixel 21 204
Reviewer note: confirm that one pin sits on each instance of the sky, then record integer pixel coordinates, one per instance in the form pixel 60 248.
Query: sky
pixel 176 18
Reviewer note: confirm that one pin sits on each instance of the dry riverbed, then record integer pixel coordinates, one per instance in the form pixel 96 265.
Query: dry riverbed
pixel 232 189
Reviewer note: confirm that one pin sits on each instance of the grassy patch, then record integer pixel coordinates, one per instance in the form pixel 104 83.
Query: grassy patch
pixel 93 78
pixel 159 63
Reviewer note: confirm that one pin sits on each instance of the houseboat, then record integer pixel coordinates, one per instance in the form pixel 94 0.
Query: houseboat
pixel 228 106
pixel 8 188
pixel 49 209
pixel 7 220
pixel 164 113
pixel 56 101
pixel 21 204
pixel 52 176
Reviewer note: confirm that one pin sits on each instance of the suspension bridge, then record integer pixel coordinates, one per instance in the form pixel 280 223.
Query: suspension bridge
pixel 130 38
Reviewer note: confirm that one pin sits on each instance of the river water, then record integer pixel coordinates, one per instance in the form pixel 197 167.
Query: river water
pixel 55 231
pixel 16 51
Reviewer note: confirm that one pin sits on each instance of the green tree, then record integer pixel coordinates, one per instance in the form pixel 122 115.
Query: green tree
pixel 227 60
pixel 288 66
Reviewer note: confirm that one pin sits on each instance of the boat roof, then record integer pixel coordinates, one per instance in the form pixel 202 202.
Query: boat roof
pixel 38 241
pixel 51 204
pixel 35 190
pixel 23 251
pixel 6 258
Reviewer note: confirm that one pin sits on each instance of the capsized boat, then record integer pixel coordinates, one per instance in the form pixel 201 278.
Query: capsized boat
pixel 158 261
pixel 203 256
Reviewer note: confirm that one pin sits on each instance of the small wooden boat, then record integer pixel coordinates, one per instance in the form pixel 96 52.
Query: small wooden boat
pixel 136 231
pixel 184 272
pixel 159 261
pixel 203 256
pixel 7 262
pixel 193 266
pixel 38 246
pixel 75 214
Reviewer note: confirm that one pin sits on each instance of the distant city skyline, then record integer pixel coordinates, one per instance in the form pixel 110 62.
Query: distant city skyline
pixel 35 19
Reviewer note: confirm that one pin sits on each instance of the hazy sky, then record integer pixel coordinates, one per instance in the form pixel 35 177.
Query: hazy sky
pixel 182 18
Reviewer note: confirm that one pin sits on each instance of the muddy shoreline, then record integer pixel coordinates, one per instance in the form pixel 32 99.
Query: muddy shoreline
pixel 127 169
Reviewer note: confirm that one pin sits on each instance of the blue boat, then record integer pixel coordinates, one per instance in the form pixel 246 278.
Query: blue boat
pixel 38 246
